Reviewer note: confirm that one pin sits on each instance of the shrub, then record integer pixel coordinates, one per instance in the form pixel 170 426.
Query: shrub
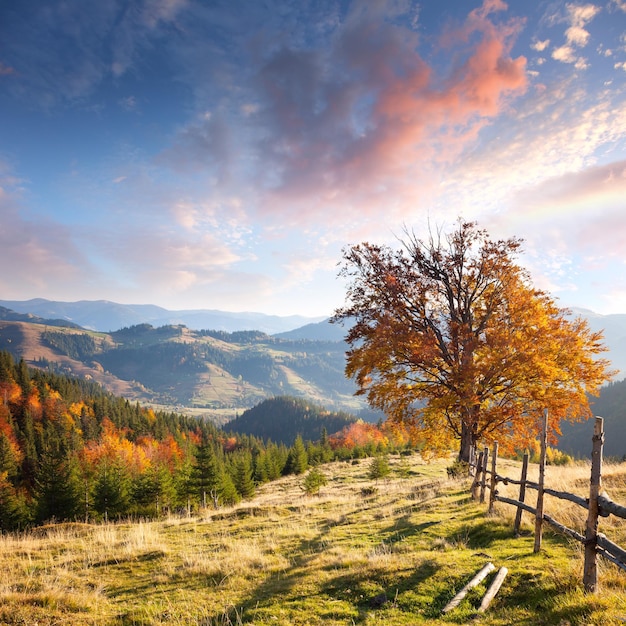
pixel 458 469
pixel 314 481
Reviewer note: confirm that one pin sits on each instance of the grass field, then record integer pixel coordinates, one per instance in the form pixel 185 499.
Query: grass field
pixel 390 552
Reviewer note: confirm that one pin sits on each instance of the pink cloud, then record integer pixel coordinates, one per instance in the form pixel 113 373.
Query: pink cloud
pixel 373 112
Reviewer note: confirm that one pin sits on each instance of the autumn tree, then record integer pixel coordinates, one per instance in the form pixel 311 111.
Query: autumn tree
pixel 449 335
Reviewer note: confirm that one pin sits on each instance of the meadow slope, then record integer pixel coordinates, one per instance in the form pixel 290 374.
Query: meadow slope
pixel 391 552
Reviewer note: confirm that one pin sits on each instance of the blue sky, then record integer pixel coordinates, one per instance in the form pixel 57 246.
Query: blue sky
pixel 220 155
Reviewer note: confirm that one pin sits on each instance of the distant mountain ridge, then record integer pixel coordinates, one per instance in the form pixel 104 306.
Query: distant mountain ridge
pixel 106 316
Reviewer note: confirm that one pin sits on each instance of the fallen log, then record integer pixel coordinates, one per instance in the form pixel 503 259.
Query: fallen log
pixel 472 583
pixel 493 589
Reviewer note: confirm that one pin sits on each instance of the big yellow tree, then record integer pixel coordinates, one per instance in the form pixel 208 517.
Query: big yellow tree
pixel 450 336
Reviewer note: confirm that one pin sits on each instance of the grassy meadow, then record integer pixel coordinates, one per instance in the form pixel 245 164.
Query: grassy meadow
pixel 392 552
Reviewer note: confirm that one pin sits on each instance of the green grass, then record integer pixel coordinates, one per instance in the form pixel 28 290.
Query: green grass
pixel 394 554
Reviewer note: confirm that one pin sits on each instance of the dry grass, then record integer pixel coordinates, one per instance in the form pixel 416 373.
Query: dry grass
pixel 389 552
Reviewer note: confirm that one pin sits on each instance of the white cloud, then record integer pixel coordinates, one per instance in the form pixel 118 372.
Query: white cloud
pixel 540 46
pixel 565 54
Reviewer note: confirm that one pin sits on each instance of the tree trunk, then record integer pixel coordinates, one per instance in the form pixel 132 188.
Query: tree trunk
pixel 468 433
pixel 467 443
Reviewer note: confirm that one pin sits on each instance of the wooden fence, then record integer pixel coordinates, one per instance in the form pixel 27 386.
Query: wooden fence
pixel 597 505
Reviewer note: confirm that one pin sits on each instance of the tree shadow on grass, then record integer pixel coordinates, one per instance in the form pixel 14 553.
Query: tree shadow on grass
pixel 369 591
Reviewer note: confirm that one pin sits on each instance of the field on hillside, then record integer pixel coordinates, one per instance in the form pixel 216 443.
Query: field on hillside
pixel 390 552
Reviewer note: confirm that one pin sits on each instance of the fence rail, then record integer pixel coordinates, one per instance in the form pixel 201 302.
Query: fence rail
pixel 594 542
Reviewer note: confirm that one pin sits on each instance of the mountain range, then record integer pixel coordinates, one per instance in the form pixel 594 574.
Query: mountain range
pixel 218 372
pixel 105 316
pixel 214 372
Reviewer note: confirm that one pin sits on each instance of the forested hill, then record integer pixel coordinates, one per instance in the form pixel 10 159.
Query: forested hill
pixel 282 419
pixel 175 367
pixel 71 450
pixel 611 405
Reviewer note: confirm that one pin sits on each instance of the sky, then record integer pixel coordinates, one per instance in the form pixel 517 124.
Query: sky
pixel 208 154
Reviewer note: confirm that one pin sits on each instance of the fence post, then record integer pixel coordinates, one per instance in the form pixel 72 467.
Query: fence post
pixel 476 481
pixel 494 482
pixel 522 495
pixel 590 572
pixel 542 476
pixel 483 480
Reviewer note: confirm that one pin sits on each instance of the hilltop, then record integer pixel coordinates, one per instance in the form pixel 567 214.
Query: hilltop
pixel 215 372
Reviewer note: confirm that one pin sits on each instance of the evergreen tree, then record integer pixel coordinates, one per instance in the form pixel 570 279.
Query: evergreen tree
pixel 8 462
pixel 297 461
pixel 228 494
pixel 58 488
pixel 207 474
pixel 112 490
pixel 242 476
pixel 13 510
pixel 314 481
pixel 153 490
pixel 379 467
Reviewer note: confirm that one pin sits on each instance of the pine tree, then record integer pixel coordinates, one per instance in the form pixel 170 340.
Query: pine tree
pixel 207 474
pixel 379 467
pixel 13 511
pixel 297 461
pixel 8 462
pixel 242 476
pixel 112 490
pixel 58 489
pixel 228 494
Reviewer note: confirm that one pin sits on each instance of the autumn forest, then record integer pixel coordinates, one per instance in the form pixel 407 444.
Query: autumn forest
pixel 69 450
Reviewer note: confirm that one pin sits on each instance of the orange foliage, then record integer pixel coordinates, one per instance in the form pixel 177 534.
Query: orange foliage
pixel 114 445
pixel 359 433
pixel 10 392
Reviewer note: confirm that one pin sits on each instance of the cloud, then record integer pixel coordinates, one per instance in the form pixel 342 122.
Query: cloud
pixel 78 46
pixel 6 70
pixel 42 254
pixel 576 36
pixel 337 130
pixel 540 46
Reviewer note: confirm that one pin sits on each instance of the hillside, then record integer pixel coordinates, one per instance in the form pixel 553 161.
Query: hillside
pixel 215 372
pixel 71 450
pixel 611 405
pixel 282 419
pixel 361 552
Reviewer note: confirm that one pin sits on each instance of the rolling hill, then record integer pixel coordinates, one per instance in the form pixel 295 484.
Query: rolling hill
pixel 214 372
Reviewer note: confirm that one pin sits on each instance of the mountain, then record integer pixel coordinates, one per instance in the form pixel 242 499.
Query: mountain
pixel 317 331
pixel 614 329
pixel 282 419
pixel 611 405
pixel 215 372
pixel 105 316
pixel 13 316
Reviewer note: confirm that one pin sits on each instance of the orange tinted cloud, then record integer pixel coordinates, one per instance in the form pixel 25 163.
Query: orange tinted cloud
pixel 372 116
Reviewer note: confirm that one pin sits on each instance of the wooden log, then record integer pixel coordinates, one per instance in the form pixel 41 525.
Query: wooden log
pixel 564 529
pixel 492 487
pixel 607 506
pixel 517 503
pixel 493 589
pixel 483 480
pixel 476 481
pixel 485 571
pixel 564 495
pixel 590 569
pixel 609 557
pixel 522 495
pixel 542 474
pixel 612 548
